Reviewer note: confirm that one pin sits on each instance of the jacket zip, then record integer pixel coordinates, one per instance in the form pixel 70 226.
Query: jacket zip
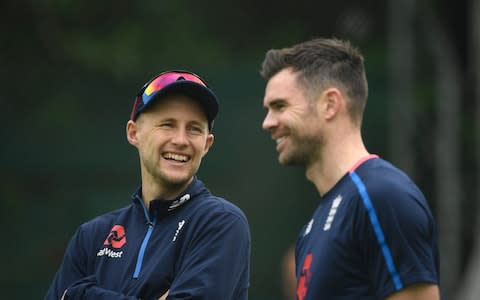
pixel 143 247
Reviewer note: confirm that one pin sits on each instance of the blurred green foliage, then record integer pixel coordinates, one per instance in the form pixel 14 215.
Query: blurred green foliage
pixel 69 73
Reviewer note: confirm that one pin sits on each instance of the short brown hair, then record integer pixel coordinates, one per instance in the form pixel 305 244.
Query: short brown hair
pixel 321 63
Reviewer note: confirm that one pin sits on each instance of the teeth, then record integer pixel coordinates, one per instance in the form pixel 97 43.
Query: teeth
pixel 176 157
pixel 279 140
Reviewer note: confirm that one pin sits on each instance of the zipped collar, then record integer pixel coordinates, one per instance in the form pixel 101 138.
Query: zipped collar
pixel 161 207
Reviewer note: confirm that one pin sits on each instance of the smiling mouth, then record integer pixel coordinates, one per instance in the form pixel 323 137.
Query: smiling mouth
pixel 280 139
pixel 176 157
pixel 280 142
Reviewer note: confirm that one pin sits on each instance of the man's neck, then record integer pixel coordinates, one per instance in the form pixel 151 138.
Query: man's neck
pixel 334 162
pixel 152 190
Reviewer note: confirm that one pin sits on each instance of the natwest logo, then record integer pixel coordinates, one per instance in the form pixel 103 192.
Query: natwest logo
pixel 109 253
pixel 116 238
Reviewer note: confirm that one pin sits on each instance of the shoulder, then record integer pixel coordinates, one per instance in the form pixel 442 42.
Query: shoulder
pixel 378 172
pixel 391 195
pixel 217 214
pixel 211 204
pixel 213 220
pixel 221 205
pixel 386 183
pixel 103 221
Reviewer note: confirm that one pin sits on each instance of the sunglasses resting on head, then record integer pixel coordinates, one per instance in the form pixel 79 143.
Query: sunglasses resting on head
pixel 179 81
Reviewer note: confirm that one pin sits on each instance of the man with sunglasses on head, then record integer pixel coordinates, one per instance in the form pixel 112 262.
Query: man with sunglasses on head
pixel 176 240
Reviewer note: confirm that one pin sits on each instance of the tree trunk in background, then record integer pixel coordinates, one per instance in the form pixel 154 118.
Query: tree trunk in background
pixel 470 283
pixel 401 96
pixel 448 193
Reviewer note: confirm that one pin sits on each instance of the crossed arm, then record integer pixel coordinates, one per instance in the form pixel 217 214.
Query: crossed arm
pixel 220 276
pixel 163 297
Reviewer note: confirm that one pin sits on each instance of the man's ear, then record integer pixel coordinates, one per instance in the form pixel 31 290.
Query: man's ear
pixel 332 102
pixel 209 143
pixel 132 130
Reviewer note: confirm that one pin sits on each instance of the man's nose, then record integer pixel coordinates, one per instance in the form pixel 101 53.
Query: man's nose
pixel 269 122
pixel 180 137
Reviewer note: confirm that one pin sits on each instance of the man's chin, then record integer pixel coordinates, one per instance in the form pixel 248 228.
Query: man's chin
pixel 290 161
pixel 284 161
pixel 176 181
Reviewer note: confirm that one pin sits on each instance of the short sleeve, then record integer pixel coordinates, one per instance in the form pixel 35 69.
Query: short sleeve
pixel 397 237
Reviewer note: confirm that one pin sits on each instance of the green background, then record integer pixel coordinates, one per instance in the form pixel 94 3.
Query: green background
pixel 71 69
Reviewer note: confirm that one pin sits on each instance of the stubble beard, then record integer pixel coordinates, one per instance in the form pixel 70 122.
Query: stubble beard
pixel 304 147
pixel 164 179
pixel 303 151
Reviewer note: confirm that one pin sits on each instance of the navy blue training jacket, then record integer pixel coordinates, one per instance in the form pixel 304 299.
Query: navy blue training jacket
pixel 196 246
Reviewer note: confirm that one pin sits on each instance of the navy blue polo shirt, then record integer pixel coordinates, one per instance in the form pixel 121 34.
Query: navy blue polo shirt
pixel 372 234
pixel 196 246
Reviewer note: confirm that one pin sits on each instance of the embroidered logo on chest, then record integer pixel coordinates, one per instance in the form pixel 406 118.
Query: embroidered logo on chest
pixel 115 240
pixel 332 212
pixel 179 202
pixel 309 228
pixel 180 225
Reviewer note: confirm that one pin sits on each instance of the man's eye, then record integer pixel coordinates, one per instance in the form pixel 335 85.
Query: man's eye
pixel 196 129
pixel 278 106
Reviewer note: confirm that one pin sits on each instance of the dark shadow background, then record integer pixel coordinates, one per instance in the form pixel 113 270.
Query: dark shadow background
pixel 69 71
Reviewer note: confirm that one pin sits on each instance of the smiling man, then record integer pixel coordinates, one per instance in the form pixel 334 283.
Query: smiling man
pixel 372 235
pixel 176 240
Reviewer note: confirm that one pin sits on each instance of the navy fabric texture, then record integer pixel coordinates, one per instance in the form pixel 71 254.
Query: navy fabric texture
pixel 196 246
pixel 372 234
